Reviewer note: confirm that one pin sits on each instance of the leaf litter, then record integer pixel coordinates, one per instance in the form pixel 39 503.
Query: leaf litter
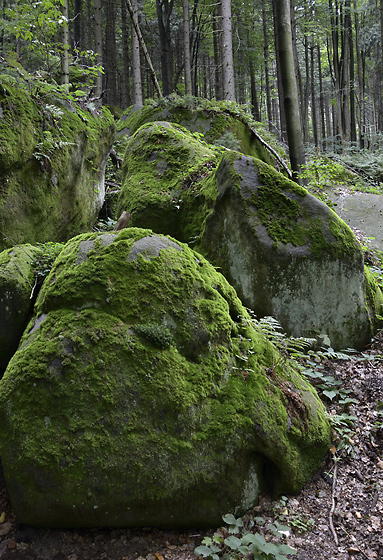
pixel 338 515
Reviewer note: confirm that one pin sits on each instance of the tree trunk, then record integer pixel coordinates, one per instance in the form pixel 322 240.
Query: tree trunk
pixel 136 61
pixel 133 17
pixel 98 44
pixel 164 12
pixel 125 93
pixel 227 51
pixel 267 72
pixel 289 87
pixel 362 120
pixel 187 54
pixel 282 116
pixel 321 99
pixel 77 25
pixel 111 53
pixel 313 100
pixel 65 43
pixel 254 96
pixel 217 64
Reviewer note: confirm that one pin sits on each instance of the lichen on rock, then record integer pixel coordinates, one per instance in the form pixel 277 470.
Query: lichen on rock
pixel 142 395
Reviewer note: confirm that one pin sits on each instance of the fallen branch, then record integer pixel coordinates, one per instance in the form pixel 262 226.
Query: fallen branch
pixel 334 477
pixel 273 152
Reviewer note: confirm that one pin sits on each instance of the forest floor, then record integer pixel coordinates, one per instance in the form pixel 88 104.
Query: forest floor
pixel 338 515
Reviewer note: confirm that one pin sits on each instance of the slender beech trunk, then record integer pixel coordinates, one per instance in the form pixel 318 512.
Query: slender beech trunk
pixel 227 51
pixel 282 116
pixel 125 55
pixel 217 64
pixel 362 119
pixel 186 41
pixel 313 99
pixel 98 44
pixel 289 87
pixel 267 71
pixel 65 43
pixel 164 12
pixel 321 99
pixel 136 61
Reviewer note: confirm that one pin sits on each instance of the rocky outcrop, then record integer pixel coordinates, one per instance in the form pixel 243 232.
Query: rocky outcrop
pixel 143 395
pixel 285 252
pixel 52 163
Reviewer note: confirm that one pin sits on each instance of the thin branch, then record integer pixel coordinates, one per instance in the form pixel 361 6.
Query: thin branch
pixel 334 479
pixel 143 47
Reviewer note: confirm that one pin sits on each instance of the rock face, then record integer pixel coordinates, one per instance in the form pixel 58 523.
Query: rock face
pixel 16 286
pixel 288 255
pixel 52 162
pixel 151 397
pixel 284 251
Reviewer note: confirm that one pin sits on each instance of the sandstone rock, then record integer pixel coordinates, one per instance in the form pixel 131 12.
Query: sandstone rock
pixel 143 395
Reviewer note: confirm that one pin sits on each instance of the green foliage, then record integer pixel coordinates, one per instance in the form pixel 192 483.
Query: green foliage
pixel 322 172
pixel 343 426
pixel 228 140
pixel 299 522
pixel 43 262
pixel 156 334
pixel 243 542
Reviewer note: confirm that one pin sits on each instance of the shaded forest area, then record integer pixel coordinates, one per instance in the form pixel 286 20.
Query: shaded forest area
pixel 224 50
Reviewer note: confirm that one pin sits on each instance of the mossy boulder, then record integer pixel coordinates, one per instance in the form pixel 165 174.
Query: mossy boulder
pixel 143 395
pixel 17 282
pixel 285 252
pixel 222 123
pixel 52 162
pixel 159 163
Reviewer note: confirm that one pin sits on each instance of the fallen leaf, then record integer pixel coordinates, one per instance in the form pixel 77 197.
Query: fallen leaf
pixel 379 464
pixel 358 515
pixel 2 517
pixel 158 556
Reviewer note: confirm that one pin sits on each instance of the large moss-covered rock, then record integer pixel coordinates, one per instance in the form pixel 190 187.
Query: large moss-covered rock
pixel 52 162
pixel 159 163
pixel 285 252
pixel 142 395
pixel 17 282
pixel 222 123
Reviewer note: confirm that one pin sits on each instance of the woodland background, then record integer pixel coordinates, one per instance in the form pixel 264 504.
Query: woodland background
pixel 91 45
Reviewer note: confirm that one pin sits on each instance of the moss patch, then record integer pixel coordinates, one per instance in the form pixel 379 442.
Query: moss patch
pixel 52 157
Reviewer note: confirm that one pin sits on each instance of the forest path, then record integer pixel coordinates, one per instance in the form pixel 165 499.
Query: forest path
pixel 361 211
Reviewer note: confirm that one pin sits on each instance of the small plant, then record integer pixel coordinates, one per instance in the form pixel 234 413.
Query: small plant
pixel 43 262
pixel 343 426
pixel 156 334
pixel 295 520
pixel 247 544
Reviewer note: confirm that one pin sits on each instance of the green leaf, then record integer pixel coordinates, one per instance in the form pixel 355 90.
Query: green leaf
pixel 233 542
pixel 203 551
pixel 229 519
pixel 285 549
pixel 330 394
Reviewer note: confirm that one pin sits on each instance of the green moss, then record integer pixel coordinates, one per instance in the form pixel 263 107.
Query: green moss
pixel 374 300
pixel 142 355
pixel 212 119
pixel 51 158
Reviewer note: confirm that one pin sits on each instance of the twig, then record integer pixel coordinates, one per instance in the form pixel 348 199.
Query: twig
pixel 33 289
pixel 354 544
pixel 334 477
